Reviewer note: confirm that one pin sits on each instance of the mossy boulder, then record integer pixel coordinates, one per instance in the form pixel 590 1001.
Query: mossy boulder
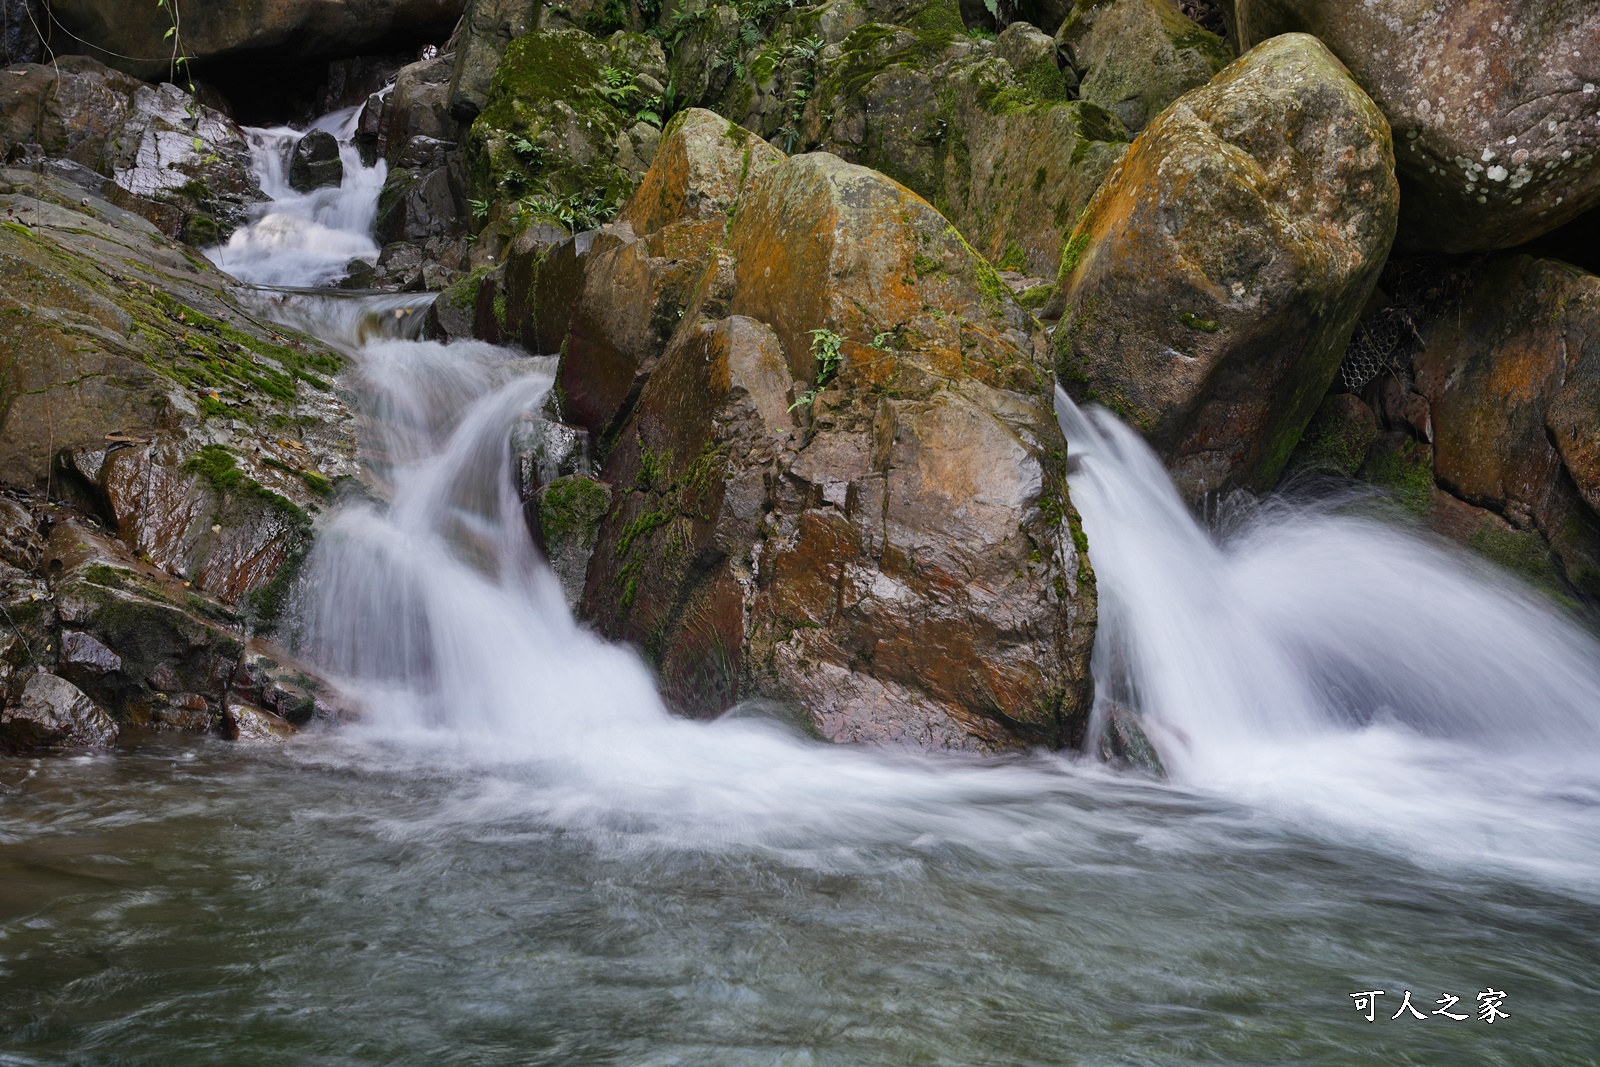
pixel 843 488
pixel 1493 106
pixel 136 385
pixel 1134 57
pixel 481 39
pixel 561 133
pixel 1003 153
pixel 1213 284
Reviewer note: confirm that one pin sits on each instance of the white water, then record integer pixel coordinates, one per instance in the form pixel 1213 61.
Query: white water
pixel 305 239
pixel 1328 672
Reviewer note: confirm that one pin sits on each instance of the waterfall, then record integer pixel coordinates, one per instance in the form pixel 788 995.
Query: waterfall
pixel 305 239
pixel 1318 667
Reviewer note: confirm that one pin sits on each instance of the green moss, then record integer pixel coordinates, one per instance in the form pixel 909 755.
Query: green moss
pixel 1195 322
pixel 1072 254
pixel 1045 80
pixel 923 265
pixel 1333 443
pixel 1037 297
pixel 1405 470
pixel 1040 176
pixel 570 509
pixel 216 466
pixel 1522 552
pixel 1013 258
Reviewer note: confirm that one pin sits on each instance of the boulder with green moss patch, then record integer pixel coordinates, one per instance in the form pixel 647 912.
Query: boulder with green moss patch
pixel 1134 57
pixel 1212 286
pixel 136 385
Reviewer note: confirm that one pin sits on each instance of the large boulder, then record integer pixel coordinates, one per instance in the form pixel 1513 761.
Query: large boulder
pixel 485 31
pixel 164 155
pixel 51 712
pixel 126 33
pixel 1512 379
pixel 1493 105
pixel 1213 284
pixel 315 162
pixel 1134 57
pixel 998 148
pixel 842 487
pixel 135 384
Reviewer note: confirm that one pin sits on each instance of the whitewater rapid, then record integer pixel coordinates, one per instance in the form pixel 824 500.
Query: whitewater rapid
pixel 1321 670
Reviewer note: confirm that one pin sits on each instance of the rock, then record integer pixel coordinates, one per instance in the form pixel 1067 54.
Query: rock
pixel 1493 106
pixel 1338 437
pixel 1213 284
pixel 20 543
pixel 554 138
pixel 868 523
pixel 183 166
pixel 19 36
pixel 1001 152
pixel 315 162
pixel 248 723
pixel 82 652
pixel 54 713
pixel 571 509
pixel 137 386
pixel 417 106
pixel 216 28
pixel 1510 378
pixel 1134 57
pixel 566 298
pixel 1025 47
pixel 417 205
pixel 543 450
pixel 486 29
pixel 1124 744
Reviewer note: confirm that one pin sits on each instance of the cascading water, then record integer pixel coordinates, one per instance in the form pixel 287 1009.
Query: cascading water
pixel 1384 774
pixel 305 239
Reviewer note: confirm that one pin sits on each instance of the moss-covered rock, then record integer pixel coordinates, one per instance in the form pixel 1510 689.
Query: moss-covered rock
pixel 1213 284
pixel 1510 376
pixel 135 384
pixel 560 136
pixel 1134 57
pixel 571 509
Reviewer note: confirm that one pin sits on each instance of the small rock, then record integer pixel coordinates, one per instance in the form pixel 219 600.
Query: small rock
pixel 54 713
pixel 247 722
pixel 84 652
pixel 316 162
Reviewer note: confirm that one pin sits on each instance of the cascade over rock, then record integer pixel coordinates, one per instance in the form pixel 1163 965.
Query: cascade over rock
pixel 134 36
pixel 1493 105
pixel 1213 283
pixel 869 523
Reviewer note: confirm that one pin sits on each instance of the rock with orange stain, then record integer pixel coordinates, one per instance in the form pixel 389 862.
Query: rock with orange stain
pixel 1493 105
pixel 1513 383
pixel 843 486
pixel 1213 283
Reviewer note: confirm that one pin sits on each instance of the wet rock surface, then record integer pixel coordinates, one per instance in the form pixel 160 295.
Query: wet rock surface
pixel 152 150
pixel 315 162
pixel 216 28
pixel 51 712
pixel 1213 284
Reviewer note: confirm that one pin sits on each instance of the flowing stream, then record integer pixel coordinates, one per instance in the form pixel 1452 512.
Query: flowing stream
pixel 1385 774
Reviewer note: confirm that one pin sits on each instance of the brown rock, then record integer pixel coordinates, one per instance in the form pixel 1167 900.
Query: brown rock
pixel 54 713
pixel 888 553
pixel 1511 381
pixel 1213 284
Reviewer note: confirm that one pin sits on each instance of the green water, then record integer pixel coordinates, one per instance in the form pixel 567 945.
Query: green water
pixel 190 903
